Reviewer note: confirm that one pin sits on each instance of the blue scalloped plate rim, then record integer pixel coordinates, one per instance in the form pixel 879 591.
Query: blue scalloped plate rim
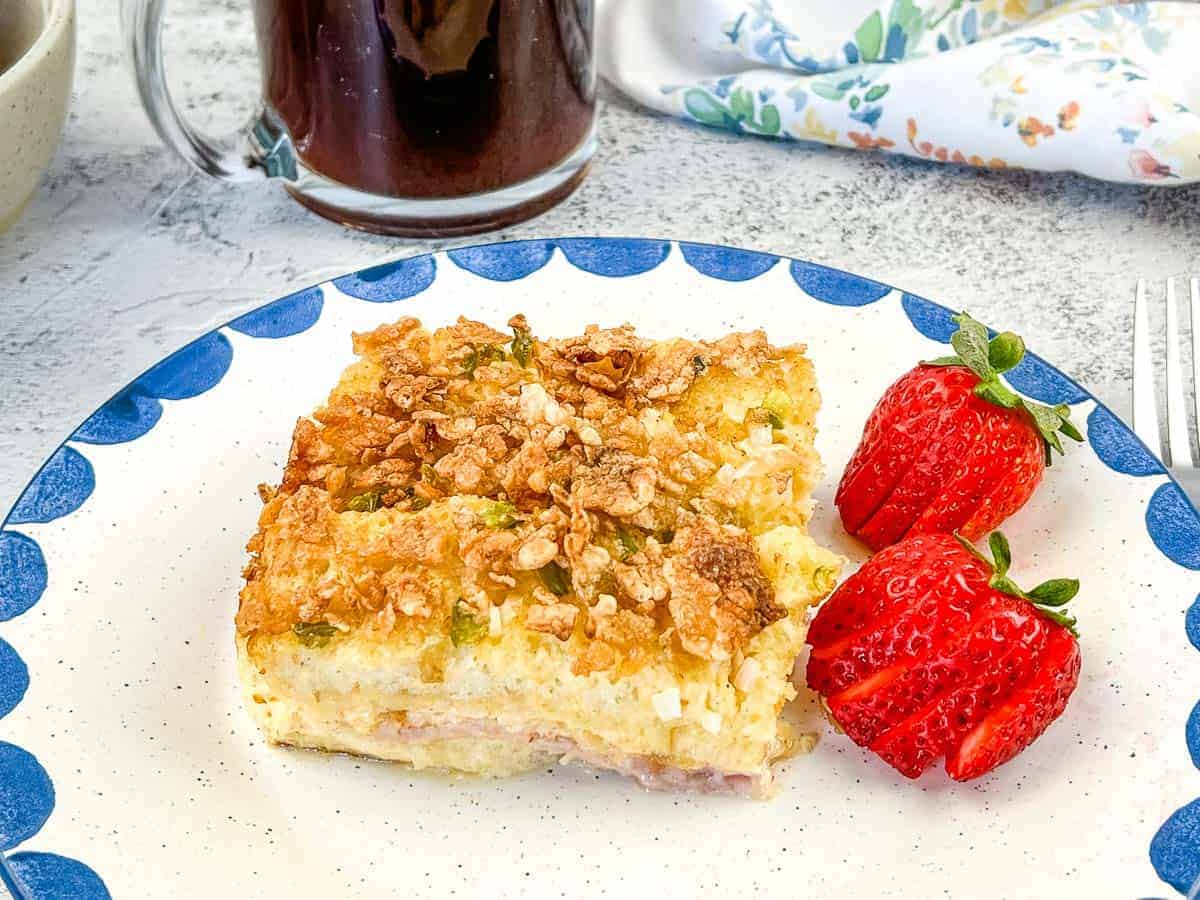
pixel 1175 848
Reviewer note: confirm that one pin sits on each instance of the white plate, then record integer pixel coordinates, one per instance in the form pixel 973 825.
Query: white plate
pixel 130 758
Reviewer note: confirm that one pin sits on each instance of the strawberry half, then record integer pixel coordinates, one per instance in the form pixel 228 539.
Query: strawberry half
pixel 949 447
pixel 931 650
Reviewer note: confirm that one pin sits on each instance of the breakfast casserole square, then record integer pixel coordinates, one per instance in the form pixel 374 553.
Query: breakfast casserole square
pixel 490 551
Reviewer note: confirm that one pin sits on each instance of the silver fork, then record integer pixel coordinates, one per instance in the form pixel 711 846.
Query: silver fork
pixel 1176 450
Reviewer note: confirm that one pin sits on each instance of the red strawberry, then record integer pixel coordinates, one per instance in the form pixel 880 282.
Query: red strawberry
pixel 930 650
pixel 1015 724
pixel 949 447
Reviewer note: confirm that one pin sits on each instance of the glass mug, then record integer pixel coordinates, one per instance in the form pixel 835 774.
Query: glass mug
pixel 408 117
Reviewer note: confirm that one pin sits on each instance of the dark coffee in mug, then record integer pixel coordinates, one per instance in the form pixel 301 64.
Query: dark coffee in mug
pixel 429 98
pixel 20 25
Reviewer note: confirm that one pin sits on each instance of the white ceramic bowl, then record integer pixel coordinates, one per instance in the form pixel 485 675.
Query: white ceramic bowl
pixel 34 93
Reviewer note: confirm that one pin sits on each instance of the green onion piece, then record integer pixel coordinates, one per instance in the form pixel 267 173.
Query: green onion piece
pixel 556 579
pixel 464 627
pixel 629 543
pixel 367 502
pixel 470 364
pixel 481 356
pixel 824 579
pixel 758 416
pixel 430 476
pixel 314 634
pixel 499 514
pixel 522 346
pixel 777 404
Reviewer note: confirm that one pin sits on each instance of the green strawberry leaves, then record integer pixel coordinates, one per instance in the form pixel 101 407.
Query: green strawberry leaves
pixel 1046 597
pixel 1005 351
pixel 970 342
pixel 1055 592
pixel 1001 553
pixel 989 359
pixel 996 393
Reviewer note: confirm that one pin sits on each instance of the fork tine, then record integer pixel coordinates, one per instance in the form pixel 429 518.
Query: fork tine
pixel 1178 445
pixel 1194 321
pixel 1145 406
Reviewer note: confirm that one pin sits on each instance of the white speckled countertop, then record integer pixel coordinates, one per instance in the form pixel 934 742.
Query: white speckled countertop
pixel 125 255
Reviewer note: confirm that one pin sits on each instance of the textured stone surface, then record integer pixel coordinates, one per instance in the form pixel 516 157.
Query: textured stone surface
pixel 124 255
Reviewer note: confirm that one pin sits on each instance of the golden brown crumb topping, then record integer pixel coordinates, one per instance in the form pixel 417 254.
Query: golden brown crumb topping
pixel 602 488
pixel 719 595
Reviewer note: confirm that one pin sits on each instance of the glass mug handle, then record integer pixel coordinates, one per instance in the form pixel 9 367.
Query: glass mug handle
pixel 371 193
pixel 267 152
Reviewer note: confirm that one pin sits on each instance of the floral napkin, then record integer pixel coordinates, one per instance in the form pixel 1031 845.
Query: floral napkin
pixel 1108 89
